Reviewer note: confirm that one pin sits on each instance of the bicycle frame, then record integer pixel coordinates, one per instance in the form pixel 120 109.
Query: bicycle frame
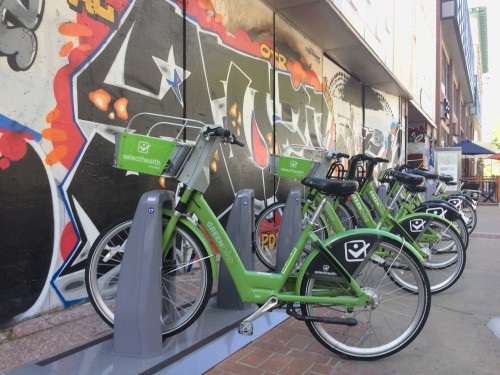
pixel 393 225
pixel 253 286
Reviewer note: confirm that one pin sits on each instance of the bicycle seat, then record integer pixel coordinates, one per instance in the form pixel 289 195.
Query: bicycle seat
pixel 446 178
pixel 416 188
pixel 407 178
pixel 429 175
pixel 332 187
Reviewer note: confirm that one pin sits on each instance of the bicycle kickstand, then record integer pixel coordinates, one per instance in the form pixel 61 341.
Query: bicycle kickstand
pixel 246 326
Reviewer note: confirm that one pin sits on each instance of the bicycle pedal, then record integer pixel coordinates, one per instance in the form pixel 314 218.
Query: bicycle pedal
pixel 245 328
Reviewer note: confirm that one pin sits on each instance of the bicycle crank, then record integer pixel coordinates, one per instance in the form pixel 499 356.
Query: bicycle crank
pixel 246 326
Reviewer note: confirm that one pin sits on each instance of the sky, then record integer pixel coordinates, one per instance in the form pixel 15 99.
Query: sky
pixel 491 80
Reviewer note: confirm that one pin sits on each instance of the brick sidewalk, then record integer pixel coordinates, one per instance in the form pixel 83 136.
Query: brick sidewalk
pixel 39 338
pixel 292 350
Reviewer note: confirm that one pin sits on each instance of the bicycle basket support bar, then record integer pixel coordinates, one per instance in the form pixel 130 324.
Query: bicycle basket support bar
pixel 143 154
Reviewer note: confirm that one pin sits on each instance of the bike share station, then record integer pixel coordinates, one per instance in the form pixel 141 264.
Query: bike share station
pixel 225 326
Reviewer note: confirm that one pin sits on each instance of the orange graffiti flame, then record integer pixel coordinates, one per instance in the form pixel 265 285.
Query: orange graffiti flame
pixel 213 166
pixel 121 108
pixel 52 115
pixel 206 5
pixel 269 137
pixel 56 155
pixel 232 109
pixel 54 134
pixel 298 73
pixel 74 29
pixel 66 49
pixel 101 99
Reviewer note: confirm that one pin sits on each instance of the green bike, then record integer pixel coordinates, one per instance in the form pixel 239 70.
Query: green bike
pixel 436 239
pixel 344 290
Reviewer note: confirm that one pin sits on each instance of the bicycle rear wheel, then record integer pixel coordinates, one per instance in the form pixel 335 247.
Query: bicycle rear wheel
pixel 392 319
pixel 186 276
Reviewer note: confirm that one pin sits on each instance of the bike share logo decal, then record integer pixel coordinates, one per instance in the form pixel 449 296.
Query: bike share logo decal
pixel 143 147
pixel 293 163
pixel 355 251
pixel 440 211
pixel 326 271
pixel 417 225
pixel 151 210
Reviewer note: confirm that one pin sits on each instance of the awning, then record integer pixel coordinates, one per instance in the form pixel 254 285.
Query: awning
pixel 417 114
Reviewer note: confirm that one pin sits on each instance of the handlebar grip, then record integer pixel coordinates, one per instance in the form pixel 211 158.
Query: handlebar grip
pixel 381 160
pixel 239 143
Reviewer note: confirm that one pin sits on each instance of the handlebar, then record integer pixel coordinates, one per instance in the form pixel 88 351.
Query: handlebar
pixel 219 131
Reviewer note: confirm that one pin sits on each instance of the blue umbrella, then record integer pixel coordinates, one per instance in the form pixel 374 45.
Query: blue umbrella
pixel 471 148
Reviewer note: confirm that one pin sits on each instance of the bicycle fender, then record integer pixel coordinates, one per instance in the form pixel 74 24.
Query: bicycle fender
pixel 446 211
pixel 415 223
pixel 461 196
pixel 196 230
pixel 351 249
pixel 456 200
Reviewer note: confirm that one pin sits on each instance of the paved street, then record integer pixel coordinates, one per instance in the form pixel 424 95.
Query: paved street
pixel 459 336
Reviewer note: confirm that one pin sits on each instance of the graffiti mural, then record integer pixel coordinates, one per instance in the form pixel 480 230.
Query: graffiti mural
pixel 18 23
pixel 383 133
pixel 367 120
pixel 417 133
pixel 232 63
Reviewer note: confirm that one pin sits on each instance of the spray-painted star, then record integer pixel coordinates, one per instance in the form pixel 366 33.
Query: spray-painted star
pixel 173 76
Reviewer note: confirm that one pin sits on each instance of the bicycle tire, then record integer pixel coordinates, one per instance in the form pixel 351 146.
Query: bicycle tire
pixel 346 216
pixel 267 226
pixel 464 232
pixel 390 323
pixel 189 274
pixel 446 255
pixel 471 214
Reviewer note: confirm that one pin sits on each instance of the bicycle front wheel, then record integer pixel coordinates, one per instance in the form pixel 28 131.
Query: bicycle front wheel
pixel 470 215
pixel 186 276
pixel 446 255
pixel 267 226
pixel 388 323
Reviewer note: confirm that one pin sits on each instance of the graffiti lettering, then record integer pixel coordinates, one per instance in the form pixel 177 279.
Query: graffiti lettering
pixel 269 54
pixel 97 10
pixel 18 21
pixel 417 134
pixel 269 241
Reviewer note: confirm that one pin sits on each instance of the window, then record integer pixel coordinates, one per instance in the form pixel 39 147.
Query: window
pixel 444 74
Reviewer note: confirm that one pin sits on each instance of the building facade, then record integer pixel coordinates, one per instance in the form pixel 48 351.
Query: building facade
pixel 352 75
